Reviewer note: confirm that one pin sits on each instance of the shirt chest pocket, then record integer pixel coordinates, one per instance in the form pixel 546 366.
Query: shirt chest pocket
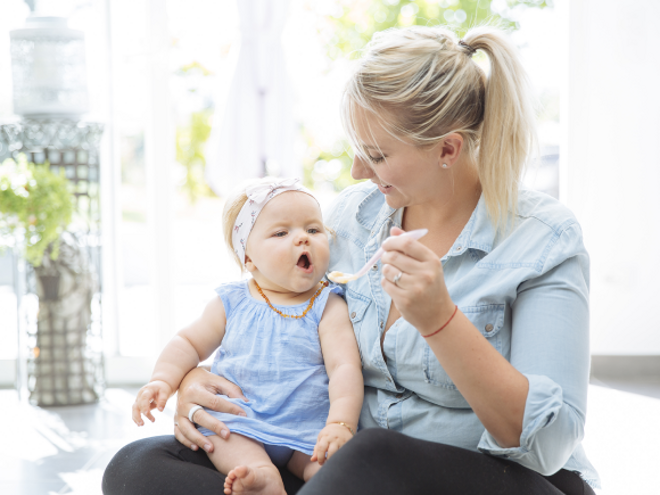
pixel 489 320
pixel 357 307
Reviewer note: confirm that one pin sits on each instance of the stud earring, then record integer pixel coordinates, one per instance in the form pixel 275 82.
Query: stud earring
pixel 444 165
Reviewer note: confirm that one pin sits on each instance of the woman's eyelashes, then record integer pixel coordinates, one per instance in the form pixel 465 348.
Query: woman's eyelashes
pixel 376 159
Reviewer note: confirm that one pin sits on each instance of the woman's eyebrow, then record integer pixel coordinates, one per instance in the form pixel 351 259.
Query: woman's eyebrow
pixel 372 147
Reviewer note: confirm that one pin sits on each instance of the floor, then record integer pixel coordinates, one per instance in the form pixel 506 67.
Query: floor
pixel 64 450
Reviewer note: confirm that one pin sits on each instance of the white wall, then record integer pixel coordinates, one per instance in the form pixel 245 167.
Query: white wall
pixel 610 171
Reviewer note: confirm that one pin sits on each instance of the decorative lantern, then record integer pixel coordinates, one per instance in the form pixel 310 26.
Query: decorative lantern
pixel 48 66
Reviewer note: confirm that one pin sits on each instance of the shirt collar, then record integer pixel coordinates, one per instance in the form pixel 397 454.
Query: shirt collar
pixel 373 210
pixel 478 233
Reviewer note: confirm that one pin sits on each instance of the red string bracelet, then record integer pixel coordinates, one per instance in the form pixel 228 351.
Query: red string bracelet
pixel 443 326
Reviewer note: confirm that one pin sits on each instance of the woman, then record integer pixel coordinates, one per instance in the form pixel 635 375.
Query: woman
pixel 474 339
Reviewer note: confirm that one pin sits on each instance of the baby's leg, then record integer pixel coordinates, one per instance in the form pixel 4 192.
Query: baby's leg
pixel 301 466
pixel 248 467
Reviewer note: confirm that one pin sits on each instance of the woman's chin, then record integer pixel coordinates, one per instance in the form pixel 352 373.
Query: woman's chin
pixel 395 201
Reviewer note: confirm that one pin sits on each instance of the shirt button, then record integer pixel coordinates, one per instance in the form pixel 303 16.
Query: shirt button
pixel 489 328
pixel 353 315
pixel 458 248
pixel 381 324
pixel 374 268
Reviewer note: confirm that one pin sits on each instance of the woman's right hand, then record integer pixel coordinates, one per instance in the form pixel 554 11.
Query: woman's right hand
pixel 200 387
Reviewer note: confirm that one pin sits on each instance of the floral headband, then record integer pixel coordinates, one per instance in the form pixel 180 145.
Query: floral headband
pixel 258 196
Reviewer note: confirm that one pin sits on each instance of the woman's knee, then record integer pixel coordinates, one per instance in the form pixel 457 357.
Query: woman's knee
pixel 372 442
pixel 131 464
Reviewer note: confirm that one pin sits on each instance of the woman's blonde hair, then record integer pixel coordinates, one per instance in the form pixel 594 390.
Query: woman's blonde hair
pixel 421 84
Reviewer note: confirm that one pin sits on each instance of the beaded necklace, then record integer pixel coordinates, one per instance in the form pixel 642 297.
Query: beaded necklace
pixel 295 317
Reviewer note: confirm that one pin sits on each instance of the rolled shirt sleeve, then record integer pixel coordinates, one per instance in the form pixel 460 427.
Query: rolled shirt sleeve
pixel 550 347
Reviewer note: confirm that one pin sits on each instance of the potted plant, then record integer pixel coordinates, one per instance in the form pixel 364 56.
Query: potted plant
pixel 36 206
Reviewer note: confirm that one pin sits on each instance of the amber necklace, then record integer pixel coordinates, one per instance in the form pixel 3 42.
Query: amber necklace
pixel 295 317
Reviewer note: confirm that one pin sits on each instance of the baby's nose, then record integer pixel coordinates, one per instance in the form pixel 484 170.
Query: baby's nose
pixel 302 238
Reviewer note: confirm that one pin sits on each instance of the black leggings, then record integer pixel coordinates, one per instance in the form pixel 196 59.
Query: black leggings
pixel 377 461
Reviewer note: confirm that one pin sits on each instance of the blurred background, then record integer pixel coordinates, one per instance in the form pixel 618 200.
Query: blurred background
pixel 153 109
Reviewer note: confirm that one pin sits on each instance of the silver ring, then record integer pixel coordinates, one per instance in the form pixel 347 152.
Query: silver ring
pixel 397 278
pixel 192 412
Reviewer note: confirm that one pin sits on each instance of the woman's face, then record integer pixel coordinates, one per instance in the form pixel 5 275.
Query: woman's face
pixel 405 174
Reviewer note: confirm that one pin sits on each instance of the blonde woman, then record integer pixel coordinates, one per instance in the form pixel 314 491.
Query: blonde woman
pixel 474 339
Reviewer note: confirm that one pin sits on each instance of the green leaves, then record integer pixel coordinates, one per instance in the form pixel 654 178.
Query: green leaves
pixel 190 141
pixel 36 202
pixel 352 23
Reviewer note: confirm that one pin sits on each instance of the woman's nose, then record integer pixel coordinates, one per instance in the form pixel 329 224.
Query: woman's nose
pixel 360 169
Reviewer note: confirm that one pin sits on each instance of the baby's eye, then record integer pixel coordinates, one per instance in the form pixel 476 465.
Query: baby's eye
pixel 313 231
pixel 376 159
pixel 280 234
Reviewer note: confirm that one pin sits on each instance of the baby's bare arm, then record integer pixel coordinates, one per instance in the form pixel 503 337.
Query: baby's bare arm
pixel 187 348
pixel 344 368
pixel 191 345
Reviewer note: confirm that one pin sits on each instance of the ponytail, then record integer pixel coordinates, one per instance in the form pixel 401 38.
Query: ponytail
pixel 508 135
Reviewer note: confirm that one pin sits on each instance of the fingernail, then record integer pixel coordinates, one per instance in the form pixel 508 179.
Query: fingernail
pixel 160 408
pixel 207 447
pixel 224 433
pixel 193 447
pixel 242 414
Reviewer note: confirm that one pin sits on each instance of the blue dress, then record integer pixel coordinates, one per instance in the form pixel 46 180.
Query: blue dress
pixel 279 366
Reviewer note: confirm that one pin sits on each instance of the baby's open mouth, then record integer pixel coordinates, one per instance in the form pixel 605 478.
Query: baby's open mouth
pixel 304 262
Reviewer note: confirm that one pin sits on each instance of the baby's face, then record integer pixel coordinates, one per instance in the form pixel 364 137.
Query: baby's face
pixel 288 246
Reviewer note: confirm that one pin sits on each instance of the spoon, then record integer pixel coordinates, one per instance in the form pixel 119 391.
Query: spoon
pixel 343 278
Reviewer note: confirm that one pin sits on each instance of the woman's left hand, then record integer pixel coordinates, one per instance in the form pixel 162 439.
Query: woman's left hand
pixel 420 293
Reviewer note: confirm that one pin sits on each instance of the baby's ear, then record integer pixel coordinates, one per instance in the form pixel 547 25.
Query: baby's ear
pixel 249 266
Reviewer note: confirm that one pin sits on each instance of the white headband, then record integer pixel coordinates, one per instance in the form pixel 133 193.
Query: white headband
pixel 258 196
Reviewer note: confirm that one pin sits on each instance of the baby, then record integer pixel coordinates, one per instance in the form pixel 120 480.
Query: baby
pixel 283 336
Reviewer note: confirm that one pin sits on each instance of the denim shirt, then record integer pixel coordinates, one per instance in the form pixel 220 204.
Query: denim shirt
pixel 526 292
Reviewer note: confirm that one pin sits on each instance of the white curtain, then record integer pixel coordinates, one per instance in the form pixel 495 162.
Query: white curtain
pixel 254 132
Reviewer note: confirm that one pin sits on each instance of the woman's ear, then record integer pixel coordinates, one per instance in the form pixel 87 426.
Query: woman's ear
pixel 450 149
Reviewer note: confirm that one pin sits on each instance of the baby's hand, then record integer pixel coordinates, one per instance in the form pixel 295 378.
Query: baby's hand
pixel 153 394
pixel 331 438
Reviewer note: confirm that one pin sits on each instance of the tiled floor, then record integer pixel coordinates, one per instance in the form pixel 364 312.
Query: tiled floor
pixel 65 450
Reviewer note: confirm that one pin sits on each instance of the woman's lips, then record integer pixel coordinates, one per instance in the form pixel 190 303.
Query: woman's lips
pixel 384 189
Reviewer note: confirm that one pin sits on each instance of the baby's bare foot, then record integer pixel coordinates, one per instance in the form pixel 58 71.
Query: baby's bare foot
pixel 246 480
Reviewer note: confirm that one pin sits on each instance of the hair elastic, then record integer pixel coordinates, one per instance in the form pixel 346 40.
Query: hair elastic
pixel 469 50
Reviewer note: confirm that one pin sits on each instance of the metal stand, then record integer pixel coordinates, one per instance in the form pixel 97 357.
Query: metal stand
pixel 60 358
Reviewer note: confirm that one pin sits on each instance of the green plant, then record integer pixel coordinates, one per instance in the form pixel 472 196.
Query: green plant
pixel 352 23
pixel 190 142
pixel 327 166
pixel 36 201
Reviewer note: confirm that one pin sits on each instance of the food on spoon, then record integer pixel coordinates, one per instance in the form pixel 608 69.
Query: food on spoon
pixel 339 277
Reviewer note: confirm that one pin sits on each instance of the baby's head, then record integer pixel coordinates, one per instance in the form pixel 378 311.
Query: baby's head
pixel 274 229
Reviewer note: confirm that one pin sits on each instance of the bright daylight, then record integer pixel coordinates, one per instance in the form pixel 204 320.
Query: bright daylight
pixel 315 247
